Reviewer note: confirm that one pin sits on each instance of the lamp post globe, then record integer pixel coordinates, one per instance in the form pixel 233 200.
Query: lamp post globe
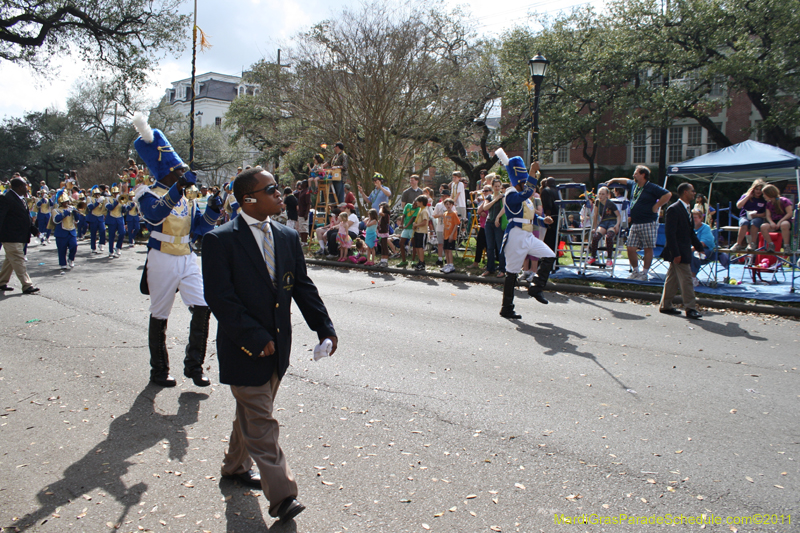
pixel 538 67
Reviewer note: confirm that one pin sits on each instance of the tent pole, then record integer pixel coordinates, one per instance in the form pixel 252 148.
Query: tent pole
pixel 708 202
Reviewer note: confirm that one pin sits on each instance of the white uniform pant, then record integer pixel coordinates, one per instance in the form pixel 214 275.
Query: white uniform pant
pixel 167 273
pixel 519 244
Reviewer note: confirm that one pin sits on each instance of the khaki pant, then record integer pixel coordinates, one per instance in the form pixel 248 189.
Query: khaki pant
pixel 15 260
pixel 678 275
pixel 255 435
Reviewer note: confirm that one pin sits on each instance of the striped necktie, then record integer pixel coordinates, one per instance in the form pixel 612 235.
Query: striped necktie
pixel 269 249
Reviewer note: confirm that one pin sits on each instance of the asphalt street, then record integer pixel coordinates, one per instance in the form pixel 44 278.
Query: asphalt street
pixel 434 415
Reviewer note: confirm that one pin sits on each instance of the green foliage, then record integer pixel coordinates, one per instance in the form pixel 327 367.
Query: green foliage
pixel 122 36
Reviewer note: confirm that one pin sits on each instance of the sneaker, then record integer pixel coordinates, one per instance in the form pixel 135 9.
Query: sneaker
pixel 591 261
pixel 383 264
pixel 71 264
pixel 770 246
pixel 117 254
pixel 63 270
pixel 609 263
pixel 642 276
pixel 419 267
pixel 750 247
pixel 402 265
pixel 737 247
pixel 101 247
pixel 695 282
pixel 634 275
pixel 25 258
pixel 439 263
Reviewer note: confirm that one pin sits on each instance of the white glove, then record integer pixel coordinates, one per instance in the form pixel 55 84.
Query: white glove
pixel 323 349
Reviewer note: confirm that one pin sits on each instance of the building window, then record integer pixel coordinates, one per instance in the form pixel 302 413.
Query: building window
pixel 655 145
pixel 562 155
pixel 218 122
pixel 640 147
pixel 199 121
pixel 675 144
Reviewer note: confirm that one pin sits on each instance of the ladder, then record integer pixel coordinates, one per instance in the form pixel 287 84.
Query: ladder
pixel 474 228
pixel 326 198
pixel 562 228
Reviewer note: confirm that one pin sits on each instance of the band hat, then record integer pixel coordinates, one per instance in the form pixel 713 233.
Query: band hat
pixel 516 168
pixel 156 151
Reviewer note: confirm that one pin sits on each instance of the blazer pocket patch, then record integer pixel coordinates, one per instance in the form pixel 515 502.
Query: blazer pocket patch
pixel 288 281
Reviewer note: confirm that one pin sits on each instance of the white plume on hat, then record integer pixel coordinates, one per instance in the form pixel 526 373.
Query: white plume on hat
pixel 501 155
pixel 141 125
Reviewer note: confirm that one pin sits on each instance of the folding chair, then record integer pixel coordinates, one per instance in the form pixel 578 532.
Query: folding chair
pixel 768 263
pixel 661 242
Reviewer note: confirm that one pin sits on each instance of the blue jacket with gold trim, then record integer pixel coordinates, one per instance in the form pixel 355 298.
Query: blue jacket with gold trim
pixel 171 218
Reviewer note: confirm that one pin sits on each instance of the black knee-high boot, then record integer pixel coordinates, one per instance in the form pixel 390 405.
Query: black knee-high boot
pixel 159 358
pixel 540 279
pixel 507 310
pixel 196 349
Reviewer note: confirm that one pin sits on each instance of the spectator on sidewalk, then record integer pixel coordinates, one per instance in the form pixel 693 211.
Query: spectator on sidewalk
pixel 647 198
pixel 459 196
pixel 16 228
pixel 710 253
pixel 451 223
pixel 438 224
pixel 606 221
pixel 290 201
pixel 379 194
pixel 421 223
pixel 752 215
pixel 410 195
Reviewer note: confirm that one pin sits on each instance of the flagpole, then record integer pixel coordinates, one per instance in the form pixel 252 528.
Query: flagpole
pixel 191 105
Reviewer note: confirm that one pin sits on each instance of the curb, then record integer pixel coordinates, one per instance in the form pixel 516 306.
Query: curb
pixel 569 288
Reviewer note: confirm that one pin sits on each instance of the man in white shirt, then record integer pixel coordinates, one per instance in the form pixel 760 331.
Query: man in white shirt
pixel 438 224
pixel 459 196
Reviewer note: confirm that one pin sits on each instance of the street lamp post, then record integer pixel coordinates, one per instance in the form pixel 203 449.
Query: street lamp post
pixel 538 66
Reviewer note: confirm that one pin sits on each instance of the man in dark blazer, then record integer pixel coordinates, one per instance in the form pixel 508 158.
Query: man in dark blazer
pixel 15 232
pixel 679 230
pixel 252 270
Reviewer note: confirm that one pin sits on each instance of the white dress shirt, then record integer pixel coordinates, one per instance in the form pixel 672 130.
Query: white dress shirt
pixel 258 235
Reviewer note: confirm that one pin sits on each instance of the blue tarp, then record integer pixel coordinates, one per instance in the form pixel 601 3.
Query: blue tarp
pixel 745 161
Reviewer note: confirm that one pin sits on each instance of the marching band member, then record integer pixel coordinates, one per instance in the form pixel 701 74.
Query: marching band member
pixel 115 221
pixel 131 211
pixel 518 241
pixel 80 216
pixel 44 206
pixel 171 265
pixel 64 219
pixel 96 218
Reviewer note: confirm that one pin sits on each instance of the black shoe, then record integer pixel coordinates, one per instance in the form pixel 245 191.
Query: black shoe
pixel 251 478
pixel 505 313
pixel 536 293
pixel 164 381
pixel 198 376
pixel 671 311
pixel 439 263
pixel 289 508
pixel 31 290
pixel 6 288
pixel 692 313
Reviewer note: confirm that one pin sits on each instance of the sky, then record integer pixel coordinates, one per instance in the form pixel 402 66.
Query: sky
pixel 241 32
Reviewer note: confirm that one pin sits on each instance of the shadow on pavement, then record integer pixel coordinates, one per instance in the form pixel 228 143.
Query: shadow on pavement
pixel 617 314
pixel 104 466
pixel 243 511
pixel 554 339
pixel 730 329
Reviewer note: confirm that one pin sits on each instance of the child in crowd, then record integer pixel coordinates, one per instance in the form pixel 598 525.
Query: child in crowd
pixel 451 222
pixel 779 217
pixel 606 220
pixel 410 212
pixel 342 238
pixel 362 252
pixel 438 224
pixel 371 235
pixel 420 230
pixel 383 234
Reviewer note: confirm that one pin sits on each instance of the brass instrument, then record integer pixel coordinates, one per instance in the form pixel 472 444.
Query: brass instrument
pixel 191 193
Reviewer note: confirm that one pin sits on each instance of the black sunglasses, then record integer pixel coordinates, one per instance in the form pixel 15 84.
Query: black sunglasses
pixel 269 189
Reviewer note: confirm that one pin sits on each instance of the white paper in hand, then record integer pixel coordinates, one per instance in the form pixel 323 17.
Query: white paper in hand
pixel 323 349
